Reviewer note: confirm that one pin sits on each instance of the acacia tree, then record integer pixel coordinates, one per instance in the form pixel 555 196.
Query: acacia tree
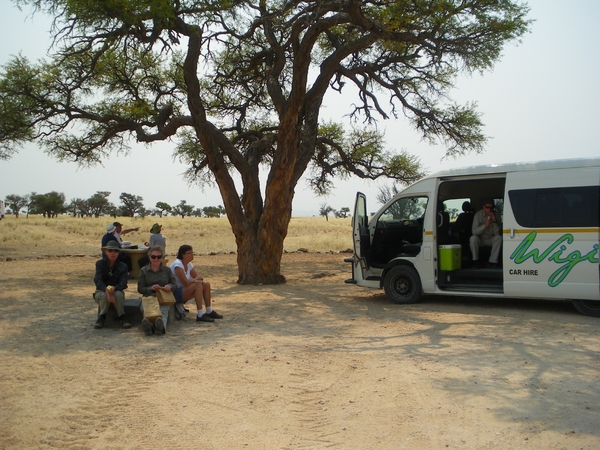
pixel 343 212
pixel 16 202
pixel 325 210
pixel 182 209
pixel 161 208
pixel 99 203
pixel 241 84
pixel 79 207
pixel 50 204
pixel 130 204
pixel 213 211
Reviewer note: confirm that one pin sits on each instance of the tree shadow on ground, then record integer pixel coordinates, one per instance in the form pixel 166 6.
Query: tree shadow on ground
pixel 496 348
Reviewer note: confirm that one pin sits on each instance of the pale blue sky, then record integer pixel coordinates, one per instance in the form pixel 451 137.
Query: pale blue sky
pixel 540 102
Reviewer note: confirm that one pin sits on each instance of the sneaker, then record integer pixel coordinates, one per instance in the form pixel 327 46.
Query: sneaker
pixel 159 326
pixel 214 315
pixel 147 327
pixel 99 322
pixel 493 265
pixel 204 318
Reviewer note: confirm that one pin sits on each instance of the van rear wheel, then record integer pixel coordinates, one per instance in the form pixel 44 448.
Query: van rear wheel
pixel 402 285
pixel 587 307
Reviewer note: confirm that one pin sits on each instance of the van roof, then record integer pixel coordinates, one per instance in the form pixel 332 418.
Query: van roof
pixel 519 167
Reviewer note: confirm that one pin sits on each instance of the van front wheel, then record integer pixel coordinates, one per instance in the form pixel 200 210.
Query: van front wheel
pixel 402 285
pixel 587 307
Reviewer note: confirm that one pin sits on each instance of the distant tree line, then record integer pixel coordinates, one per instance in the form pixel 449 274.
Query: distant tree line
pixel 54 203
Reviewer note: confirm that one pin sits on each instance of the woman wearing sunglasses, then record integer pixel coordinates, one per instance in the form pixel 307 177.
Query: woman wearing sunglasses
pixel 190 285
pixel 153 277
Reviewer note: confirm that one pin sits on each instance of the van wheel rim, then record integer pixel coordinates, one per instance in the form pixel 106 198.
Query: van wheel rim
pixel 403 286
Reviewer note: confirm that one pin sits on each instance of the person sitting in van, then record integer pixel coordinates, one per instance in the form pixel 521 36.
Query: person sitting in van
pixel 486 232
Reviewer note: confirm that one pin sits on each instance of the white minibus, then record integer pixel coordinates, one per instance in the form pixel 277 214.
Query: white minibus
pixel 547 214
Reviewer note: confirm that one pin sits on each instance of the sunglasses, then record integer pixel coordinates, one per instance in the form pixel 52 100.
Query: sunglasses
pixel 156 256
pixel 112 250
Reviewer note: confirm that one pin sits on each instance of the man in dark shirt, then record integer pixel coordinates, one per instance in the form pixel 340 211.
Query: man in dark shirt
pixel 110 280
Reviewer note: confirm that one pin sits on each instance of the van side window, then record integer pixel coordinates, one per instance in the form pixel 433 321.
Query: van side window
pixel 556 207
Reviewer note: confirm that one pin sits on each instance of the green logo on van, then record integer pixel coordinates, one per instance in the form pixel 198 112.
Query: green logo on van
pixel 555 253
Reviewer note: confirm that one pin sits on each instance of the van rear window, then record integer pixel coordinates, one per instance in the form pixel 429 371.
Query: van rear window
pixel 556 207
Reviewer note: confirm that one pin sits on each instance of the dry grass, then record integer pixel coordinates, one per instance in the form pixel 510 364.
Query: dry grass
pixel 35 236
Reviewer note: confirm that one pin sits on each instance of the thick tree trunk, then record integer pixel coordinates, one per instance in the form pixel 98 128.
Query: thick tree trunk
pixel 262 231
pixel 259 228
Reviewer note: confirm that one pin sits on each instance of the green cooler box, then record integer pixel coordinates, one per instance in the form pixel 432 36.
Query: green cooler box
pixel 450 257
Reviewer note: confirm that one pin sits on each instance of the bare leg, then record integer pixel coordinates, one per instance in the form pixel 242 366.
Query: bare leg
pixel 206 293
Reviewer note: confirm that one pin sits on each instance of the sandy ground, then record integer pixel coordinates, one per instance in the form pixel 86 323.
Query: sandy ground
pixel 310 364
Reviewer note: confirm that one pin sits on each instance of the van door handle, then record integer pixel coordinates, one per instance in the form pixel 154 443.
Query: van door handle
pixel 512 233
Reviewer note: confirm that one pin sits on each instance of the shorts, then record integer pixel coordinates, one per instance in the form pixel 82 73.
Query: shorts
pixel 178 294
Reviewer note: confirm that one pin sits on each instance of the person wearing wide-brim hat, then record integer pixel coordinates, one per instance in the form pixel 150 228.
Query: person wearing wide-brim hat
pixel 157 238
pixel 110 280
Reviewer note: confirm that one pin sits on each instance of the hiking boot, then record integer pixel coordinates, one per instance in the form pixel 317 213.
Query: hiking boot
pixel 159 326
pixel 147 327
pixel 100 322
pixel 124 323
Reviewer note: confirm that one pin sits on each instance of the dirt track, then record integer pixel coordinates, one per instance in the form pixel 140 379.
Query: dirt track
pixel 311 364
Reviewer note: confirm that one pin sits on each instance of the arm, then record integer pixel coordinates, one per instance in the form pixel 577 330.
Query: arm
pixel 180 274
pixel 122 273
pixel 496 225
pixel 144 287
pixel 99 276
pixel 478 223
pixel 172 281
pixel 195 276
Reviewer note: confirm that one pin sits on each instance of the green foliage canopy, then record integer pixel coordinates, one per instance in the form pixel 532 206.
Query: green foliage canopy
pixel 241 84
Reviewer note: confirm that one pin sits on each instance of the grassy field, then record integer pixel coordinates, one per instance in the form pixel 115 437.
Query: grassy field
pixel 35 236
